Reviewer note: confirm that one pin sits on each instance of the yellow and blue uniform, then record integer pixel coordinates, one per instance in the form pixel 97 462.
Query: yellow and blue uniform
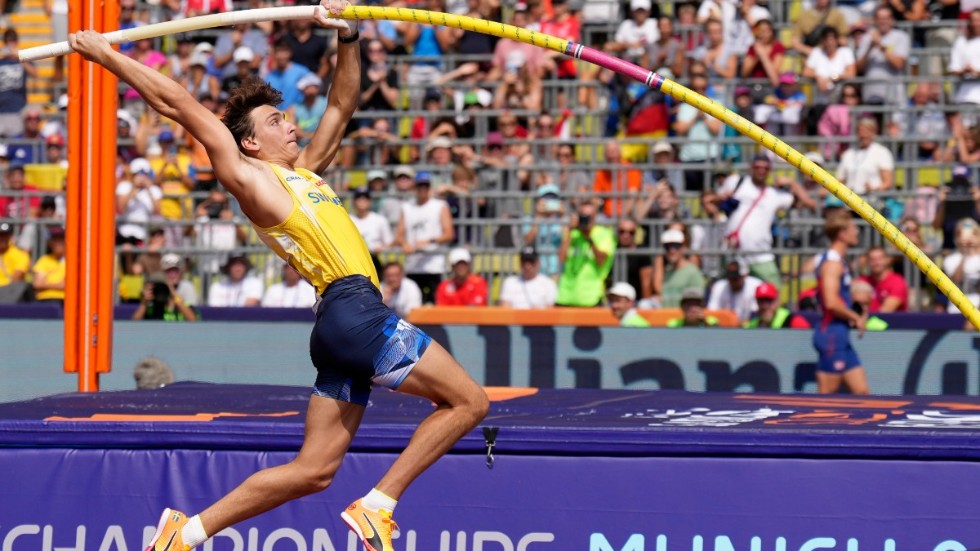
pixel 356 340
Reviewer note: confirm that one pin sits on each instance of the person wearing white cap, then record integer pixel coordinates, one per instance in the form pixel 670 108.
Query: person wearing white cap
pixel 137 203
pixel 244 60
pixel 172 265
pixel 463 288
pixel 637 32
pixel 308 112
pixel 238 36
pixel 622 302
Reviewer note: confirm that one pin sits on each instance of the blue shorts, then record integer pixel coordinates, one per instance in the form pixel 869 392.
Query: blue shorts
pixel 834 351
pixel 358 341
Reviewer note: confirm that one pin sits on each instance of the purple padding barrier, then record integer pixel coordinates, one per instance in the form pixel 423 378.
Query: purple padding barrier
pixel 92 499
pixel 546 421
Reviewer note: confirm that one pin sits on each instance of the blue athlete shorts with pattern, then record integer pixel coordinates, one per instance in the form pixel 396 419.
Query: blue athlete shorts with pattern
pixel 358 341
pixel 834 351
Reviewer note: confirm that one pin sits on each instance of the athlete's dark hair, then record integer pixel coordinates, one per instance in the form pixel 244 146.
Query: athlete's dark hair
pixel 251 93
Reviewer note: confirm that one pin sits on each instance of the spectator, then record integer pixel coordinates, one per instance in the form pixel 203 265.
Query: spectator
pixel 891 292
pixel 172 266
pixel 735 292
pixel 528 289
pixel 308 112
pixel 749 226
pixel 151 373
pixel 373 144
pixel 217 228
pixel 14 266
pixel 639 267
pixel 424 227
pixel 426 41
pixel 963 265
pixel 835 121
pixel 374 228
pixel 770 315
pixel 586 255
pixel 379 80
pixel 809 25
pixel 869 167
pixel 562 24
pixel 520 88
pixel 666 51
pixel 689 33
pixel 965 147
pixel 634 34
pixel 49 270
pixel 692 310
pixel 509 52
pixel 718 57
pixel 178 62
pixel 228 42
pixel 622 302
pixel 401 295
pixel 22 150
pixel 700 133
pixel 126 127
pixel 615 187
pixel 569 180
pixel 828 64
pixel 310 49
pixel 13 86
pixel 925 120
pixel 881 58
pixel 543 231
pixel 837 361
pixel 862 295
pixel 679 273
pixel 785 106
pixel 54 148
pixel 243 57
pixel 137 203
pixel 292 292
pixel 736 18
pixel 285 75
pixel 463 288
pixel 24 201
pixel 193 8
pixel 144 53
pixel 175 177
pixel 765 57
pixel 404 183
pixel 958 200
pixel 237 289
pixel 160 301
pixel 964 61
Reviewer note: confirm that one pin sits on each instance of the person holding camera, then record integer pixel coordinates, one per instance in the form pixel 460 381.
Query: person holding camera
pixel 752 206
pixel 586 255
pixel 161 301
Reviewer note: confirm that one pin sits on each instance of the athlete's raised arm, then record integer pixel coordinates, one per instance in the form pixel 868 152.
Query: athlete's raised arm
pixel 174 102
pixel 344 92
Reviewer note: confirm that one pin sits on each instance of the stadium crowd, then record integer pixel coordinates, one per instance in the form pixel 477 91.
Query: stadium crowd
pixel 485 171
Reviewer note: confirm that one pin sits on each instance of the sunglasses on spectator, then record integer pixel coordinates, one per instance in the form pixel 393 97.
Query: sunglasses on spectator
pixel 672 246
pixel 629 231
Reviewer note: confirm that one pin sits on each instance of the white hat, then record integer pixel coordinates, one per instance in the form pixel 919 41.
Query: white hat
pixel 639 5
pixel 439 142
pixel 816 157
pixel 459 255
pixel 243 53
pixel 622 289
pixel 404 170
pixel 203 47
pixel 672 236
pixel 139 165
pixel 63 101
pixel 170 260
pixel 124 116
pixel 662 146
pixel 376 174
pixel 308 79
pixel 199 58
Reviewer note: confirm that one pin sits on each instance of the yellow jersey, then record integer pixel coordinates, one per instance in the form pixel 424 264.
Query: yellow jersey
pixel 51 270
pixel 12 261
pixel 318 238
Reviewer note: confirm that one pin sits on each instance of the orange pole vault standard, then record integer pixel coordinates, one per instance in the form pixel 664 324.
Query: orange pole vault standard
pixel 90 224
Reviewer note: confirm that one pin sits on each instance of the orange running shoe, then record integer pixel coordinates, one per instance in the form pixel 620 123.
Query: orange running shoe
pixel 167 536
pixel 373 527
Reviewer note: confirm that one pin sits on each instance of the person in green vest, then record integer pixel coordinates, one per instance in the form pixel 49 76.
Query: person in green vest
pixel 770 314
pixel 586 254
pixel 692 308
pixel 622 302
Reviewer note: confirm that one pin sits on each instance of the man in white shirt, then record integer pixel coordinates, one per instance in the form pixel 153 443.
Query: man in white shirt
pixel 374 228
pixel 964 61
pixel 749 226
pixel 737 18
pixel 137 202
pixel 423 229
pixel 292 292
pixel 530 289
pixel 870 166
pixel 735 292
pixel 881 55
pixel 238 289
pixel 634 34
pixel 399 293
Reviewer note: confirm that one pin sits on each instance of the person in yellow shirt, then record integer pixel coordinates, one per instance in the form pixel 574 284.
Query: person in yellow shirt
pixel 14 265
pixel 357 342
pixel 49 271
pixel 174 174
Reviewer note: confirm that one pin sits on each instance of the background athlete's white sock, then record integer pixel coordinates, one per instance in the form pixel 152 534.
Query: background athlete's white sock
pixel 193 532
pixel 376 500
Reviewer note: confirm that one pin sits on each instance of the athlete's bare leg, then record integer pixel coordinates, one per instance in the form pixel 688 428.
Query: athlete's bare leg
pixel 460 405
pixel 330 427
pixel 828 383
pixel 856 379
